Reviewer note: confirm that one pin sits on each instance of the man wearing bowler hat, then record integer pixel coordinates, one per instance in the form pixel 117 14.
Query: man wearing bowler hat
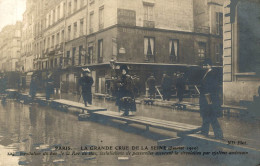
pixel 86 83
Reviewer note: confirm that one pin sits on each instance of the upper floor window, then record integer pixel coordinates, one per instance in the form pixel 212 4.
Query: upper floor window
pixel 62 35
pixel 75 5
pixel 58 38
pixel 64 9
pixel 58 13
pixel 53 17
pixel 174 50
pixel 81 27
pixel 91 22
pixel 69 31
pixel 148 47
pixel 69 8
pixel 148 12
pixel 219 23
pixel 101 17
pixel 75 29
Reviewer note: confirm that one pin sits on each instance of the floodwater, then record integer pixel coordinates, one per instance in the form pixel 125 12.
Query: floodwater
pixel 33 135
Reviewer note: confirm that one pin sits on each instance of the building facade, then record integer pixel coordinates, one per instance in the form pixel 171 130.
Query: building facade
pixel 66 35
pixel 10 47
pixel 241 73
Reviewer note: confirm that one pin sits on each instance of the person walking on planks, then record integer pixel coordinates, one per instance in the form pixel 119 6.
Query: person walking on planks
pixel 33 87
pixel 49 88
pixel 126 97
pixel 151 86
pixel 166 87
pixel 210 107
pixel 86 83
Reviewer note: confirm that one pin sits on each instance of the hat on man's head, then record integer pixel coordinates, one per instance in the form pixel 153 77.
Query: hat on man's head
pixel 124 67
pixel 85 70
pixel 207 62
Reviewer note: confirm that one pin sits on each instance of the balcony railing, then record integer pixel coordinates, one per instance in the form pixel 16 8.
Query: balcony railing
pixel 205 30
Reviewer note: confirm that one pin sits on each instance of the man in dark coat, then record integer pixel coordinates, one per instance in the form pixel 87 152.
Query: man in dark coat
pixel 166 87
pixel 126 98
pixel 210 106
pixel 49 88
pixel 86 83
pixel 151 85
pixel 33 87
pixel 180 86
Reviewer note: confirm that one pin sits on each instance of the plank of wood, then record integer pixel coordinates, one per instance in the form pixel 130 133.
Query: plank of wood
pixel 234 107
pixel 138 121
pixel 168 123
pixel 78 105
pixel 183 125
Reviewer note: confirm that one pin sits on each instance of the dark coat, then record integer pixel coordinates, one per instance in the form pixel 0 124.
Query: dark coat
pixel 50 86
pixel 166 82
pixel 126 90
pixel 210 85
pixel 151 84
pixel 86 83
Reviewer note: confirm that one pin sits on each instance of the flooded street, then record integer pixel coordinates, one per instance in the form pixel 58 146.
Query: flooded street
pixel 35 129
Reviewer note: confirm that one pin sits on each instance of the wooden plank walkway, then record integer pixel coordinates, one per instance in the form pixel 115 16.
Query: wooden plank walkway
pixel 150 122
pixel 73 104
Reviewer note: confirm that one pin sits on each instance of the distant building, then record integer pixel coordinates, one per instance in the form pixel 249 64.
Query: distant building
pixel 27 50
pixel 241 71
pixel 10 47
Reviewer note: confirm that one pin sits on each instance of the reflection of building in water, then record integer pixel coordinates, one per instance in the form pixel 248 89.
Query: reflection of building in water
pixel 241 64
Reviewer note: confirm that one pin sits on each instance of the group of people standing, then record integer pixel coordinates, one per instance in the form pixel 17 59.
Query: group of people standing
pixel 167 83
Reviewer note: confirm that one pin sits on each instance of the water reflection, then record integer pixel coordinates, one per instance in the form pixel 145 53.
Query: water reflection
pixel 27 130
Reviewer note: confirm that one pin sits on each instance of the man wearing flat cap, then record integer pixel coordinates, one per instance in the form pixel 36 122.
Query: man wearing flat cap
pixel 86 83
pixel 210 107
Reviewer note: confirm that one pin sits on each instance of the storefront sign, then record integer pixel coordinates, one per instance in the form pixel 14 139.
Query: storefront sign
pixel 126 17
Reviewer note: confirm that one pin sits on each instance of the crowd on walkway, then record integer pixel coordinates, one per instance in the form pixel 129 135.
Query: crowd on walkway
pixel 125 92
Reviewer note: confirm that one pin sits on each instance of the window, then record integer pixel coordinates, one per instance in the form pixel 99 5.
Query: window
pixel 73 55
pixel 58 38
pixel 53 16
pixel 91 22
pixel 69 31
pixel 80 53
pixel 148 47
pixel 101 17
pixel 219 23
pixel 49 19
pixel 173 50
pixel 75 5
pixel 64 7
pixel 81 27
pixel 58 13
pixel 60 61
pixel 69 8
pixel 75 29
pixel 202 50
pixel 67 58
pixel 219 52
pixel 52 41
pixel 62 35
pixel 49 42
pixel 100 51
pixel 148 12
